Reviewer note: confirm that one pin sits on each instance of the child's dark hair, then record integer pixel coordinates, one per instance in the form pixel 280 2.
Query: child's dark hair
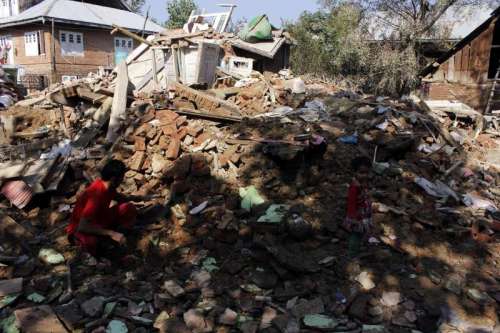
pixel 113 168
pixel 359 162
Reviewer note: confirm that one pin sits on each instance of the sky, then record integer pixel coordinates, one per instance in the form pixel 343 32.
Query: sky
pixel 275 9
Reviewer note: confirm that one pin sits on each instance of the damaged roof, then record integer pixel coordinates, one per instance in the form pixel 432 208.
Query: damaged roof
pixel 76 12
pixel 476 32
pixel 266 49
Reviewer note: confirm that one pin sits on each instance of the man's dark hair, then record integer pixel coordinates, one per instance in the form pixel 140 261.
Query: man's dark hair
pixel 113 168
pixel 359 162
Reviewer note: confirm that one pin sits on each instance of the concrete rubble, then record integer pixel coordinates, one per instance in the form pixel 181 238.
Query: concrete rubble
pixel 240 226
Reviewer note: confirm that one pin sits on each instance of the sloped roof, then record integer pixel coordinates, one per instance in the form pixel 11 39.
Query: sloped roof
pixel 476 32
pixel 76 12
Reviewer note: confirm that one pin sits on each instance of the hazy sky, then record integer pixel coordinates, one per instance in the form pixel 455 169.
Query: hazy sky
pixel 275 9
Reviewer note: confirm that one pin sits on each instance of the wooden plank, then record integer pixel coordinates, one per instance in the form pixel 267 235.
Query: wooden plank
pixel 206 115
pixel 205 101
pixel 131 35
pixel 119 107
pixel 89 95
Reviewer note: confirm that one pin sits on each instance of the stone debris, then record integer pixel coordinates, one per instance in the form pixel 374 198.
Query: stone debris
pixel 242 193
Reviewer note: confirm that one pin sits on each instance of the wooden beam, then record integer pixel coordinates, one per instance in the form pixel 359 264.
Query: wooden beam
pixel 119 106
pixel 206 115
pixel 205 101
pixel 131 35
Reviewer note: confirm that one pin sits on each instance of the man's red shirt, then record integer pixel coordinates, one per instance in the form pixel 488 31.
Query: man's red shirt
pixel 93 205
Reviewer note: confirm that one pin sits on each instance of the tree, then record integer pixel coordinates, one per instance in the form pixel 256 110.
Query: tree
pixel 136 5
pixel 179 12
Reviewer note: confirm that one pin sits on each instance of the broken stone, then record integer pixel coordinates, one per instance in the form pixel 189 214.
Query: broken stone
pixel 116 326
pixel 159 163
pixel 229 317
pixel 140 144
pixel 267 317
pixel 411 316
pixel 70 314
pixel 12 286
pixel 195 321
pixel 173 288
pixel 264 279
pixel 365 280
pixel 50 256
pixel 320 322
pixel 35 298
pixel 137 160
pixel 375 311
pixel 454 284
pixel 173 148
pixel 249 327
pixel 94 306
pixel 479 297
pixel 304 307
pixel 390 298
pixel 374 329
pixel 40 319
pixel 174 325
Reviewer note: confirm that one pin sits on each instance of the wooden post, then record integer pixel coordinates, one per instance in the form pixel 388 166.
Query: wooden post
pixel 119 107
pixel 155 70
pixel 53 75
pixel 175 53
pixel 130 34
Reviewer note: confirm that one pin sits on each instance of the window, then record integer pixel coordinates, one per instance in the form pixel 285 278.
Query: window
pixel 33 44
pixel 123 47
pixel 71 43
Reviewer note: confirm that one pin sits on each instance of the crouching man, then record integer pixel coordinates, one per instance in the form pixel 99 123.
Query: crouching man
pixel 94 219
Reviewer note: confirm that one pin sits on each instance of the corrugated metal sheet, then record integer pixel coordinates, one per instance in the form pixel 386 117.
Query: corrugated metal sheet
pixel 18 193
pixel 80 12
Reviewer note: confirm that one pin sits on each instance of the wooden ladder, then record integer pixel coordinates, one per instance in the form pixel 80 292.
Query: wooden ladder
pixel 494 97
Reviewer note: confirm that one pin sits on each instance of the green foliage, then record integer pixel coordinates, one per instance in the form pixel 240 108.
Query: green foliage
pixel 331 43
pixel 178 12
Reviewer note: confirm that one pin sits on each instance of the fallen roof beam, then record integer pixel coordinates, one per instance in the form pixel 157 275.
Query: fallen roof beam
pixel 205 101
pixel 131 35
pixel 206 115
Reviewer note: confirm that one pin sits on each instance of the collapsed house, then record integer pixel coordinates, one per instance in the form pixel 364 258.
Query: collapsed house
pixel 201 55
pixel 468 71
pixel 240 221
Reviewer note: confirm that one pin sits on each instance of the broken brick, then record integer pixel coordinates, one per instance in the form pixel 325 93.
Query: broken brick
pixel 194 131
pixel 169 130
pixel 164 142
pixel 166 116
pixel 173 149
pixel 140 143
pixel 181 133
pixel 181 121
pixel 137 160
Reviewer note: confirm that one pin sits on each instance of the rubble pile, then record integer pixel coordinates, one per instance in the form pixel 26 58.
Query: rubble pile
pixel 239 225
pixel 9 92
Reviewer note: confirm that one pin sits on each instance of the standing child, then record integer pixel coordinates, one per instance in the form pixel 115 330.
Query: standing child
pixel 359 207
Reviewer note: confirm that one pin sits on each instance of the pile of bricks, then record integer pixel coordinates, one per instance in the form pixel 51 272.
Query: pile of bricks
pixel 167 148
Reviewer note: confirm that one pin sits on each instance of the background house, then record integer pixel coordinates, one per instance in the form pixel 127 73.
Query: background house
pixel 54 40
pixel 466 72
